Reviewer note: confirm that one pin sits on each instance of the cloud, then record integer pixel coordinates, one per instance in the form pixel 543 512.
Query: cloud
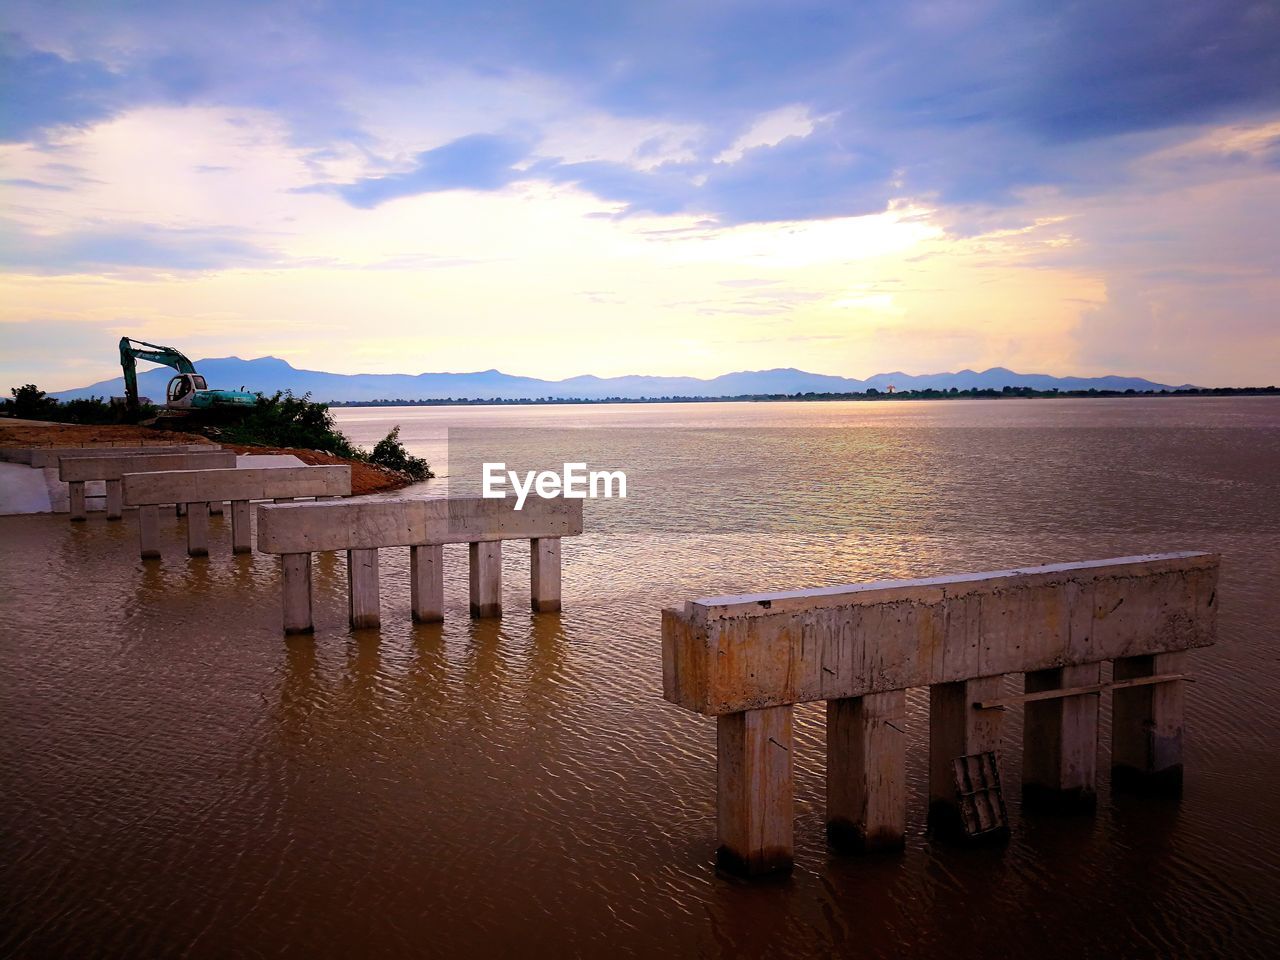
pixel 108 249
pixel 478 162
pixel 42 91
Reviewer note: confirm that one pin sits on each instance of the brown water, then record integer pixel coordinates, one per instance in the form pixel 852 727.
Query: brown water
pixel 177 779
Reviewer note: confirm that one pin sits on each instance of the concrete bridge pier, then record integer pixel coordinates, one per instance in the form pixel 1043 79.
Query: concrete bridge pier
pixel 295 572
pixel 75 490
pixel 867 772
pixel 241 527
pixel 1060 742
pixel 149 531
pixel 755 770
pixel 115 499
pixel 362 584
pixel 486 578
pixel 198 529
pixel 1146 724
pixel 426 582
pixel 544 574
pixel 958 729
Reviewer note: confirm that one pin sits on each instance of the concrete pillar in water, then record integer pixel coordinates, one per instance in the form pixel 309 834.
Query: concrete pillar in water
pixel 362 588
pixel 426 582
pixel 75 489
pixel 179 509
pixel 957 729
pixel 241 527
pixel 295 570
pixel 198 529
pixel 486 578
pixel 115 500
pixel 215 508
pixel 755 772
pixel 544 574
pixel 1060 743
pixel 1146 725
pixel 149 531
pixel 867 772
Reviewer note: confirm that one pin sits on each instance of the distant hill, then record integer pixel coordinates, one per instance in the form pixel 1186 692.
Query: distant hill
pixel 269 374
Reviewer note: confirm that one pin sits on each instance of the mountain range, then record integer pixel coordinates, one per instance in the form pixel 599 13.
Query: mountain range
pixel 268 374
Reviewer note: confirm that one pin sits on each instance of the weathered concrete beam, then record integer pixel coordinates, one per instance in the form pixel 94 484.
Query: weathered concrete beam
pixel 253 483
pixel 1060 742
pixel 408 522
pixel 362 588
pixel 426 582
pixel 957 729
pixel 295 571
pixel 867 772
pixel 730 654
pixel 102 467
pixel 486 578
pixel 1146 725
pixel 41 457
pixel 754 800
pixel 544 574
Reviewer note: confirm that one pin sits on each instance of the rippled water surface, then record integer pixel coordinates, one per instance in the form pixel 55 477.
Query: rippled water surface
pixel 178 779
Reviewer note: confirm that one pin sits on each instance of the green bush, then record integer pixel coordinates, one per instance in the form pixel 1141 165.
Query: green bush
pixel 30 403
pixel 283 420
pixel 390 452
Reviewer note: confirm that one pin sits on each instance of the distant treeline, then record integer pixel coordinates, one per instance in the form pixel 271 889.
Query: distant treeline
pixel 1005 393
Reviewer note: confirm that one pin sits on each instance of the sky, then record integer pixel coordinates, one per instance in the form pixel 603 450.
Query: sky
pixel 676 188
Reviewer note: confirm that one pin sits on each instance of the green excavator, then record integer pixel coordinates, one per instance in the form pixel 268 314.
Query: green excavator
pixel 187 393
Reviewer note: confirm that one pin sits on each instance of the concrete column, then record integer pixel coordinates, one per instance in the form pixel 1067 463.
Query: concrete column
pixel 295 570
pixel 362 588
pixel 755 768
pixel 544 574
pixel 115 499
pixel 198 529
pixel 75 490
pixel 486 578
pixel 1060 743
pixel 867 772
pixel 957 729
pixel 215 508
pixel 1146 725
pixel 241 527
pixel 426 582
pixel 179 509
pixel 149 531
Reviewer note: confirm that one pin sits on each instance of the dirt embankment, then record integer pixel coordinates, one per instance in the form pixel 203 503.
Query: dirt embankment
pixel 365 477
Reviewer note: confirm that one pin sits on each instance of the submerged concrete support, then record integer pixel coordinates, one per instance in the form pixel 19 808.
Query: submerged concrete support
pixel 198 529
pixel 486 578
pixel 1060 742
pixel 115 502
pixel 1146 724
pixel 867 772
pixel 362 592
pixel 149 531
pixel 958 729
pixel 75 490
pixel 295 571
pixel 241 527
pixel 426 582
pixel 215 508
pixel 544 574
pixel 754 806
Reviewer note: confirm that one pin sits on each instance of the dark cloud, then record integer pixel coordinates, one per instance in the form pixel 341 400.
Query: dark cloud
pixel 966 102
pixel 108 248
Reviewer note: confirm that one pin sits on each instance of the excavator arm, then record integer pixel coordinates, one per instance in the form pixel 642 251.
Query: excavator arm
pixel 130 354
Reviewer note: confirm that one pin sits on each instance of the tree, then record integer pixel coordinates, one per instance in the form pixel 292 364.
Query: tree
pixel 30 403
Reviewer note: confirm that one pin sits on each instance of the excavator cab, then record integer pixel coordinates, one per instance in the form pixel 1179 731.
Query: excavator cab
pixel 182 390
